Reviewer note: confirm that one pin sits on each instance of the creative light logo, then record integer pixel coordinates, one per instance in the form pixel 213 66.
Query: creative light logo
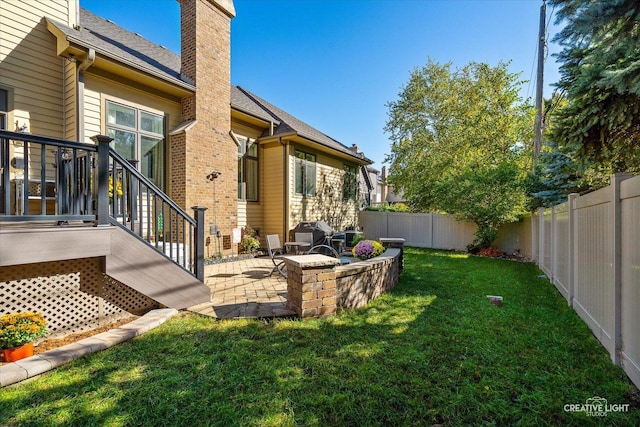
pixel 596 407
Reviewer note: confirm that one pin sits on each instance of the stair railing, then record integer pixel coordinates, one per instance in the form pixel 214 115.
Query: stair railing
pixel 44 179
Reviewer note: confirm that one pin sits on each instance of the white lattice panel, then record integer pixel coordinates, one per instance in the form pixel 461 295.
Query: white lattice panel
pixel 74 296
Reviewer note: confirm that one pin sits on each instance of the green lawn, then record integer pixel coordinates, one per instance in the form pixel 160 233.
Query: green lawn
pixel 433 351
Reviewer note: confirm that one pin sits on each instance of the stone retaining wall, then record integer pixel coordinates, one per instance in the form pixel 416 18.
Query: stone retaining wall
pixel 317 284
pixel 360 282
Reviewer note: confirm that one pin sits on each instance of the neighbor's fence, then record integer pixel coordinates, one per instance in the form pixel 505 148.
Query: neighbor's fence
pixel 589 247
pixel 440 231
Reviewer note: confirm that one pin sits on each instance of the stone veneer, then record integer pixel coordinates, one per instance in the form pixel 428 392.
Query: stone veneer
pixel 317 284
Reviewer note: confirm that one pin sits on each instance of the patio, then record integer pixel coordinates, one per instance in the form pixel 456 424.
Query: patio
pixel 244 288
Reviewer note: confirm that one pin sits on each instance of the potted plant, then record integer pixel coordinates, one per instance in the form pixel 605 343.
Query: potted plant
pixel 366 249
pixel 250 242
pixel 17 333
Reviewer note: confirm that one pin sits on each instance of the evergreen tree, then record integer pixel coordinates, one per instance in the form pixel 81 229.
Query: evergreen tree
pixel 600 75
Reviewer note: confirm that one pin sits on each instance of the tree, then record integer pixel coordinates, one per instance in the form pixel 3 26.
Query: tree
pixel 600 74
pixel 459 143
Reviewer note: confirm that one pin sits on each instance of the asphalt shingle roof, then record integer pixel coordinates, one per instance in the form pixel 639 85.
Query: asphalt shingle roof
pixel 113 41
pixel 242 102
pixel 289 123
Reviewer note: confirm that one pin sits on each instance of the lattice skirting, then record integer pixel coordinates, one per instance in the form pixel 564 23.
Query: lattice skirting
pixel 73 295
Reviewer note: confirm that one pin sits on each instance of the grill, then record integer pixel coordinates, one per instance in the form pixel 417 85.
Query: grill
pixel 320 229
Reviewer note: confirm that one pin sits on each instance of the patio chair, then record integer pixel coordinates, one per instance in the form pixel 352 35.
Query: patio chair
pixel 276 251
pixel 324 250
pixel 304 241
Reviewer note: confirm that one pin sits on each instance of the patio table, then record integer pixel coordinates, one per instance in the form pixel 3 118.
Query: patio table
pixel 297 247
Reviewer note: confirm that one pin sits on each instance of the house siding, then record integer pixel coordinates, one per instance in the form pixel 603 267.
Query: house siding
pixel 29 64
pixel 99 89
pixel 327 204
pixel 272 191
pixel 69 102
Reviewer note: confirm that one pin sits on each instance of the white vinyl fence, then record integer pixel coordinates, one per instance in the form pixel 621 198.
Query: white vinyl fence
pixel 589 247
pixel 441 231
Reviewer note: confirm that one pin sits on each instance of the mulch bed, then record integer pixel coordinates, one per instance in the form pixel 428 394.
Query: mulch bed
pixel 51 343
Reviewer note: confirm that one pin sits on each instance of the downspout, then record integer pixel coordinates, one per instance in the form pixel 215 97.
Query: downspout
pixel 285 184
pixel 86 63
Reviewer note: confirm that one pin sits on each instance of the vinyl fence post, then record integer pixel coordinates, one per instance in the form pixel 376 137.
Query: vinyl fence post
pixel 572 248
pixel 616 204
pixel 541 242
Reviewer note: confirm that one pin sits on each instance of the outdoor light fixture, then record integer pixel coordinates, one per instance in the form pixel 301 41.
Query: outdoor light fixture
pixel 213 175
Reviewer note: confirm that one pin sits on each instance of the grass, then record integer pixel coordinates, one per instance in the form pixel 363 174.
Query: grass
pixel 433 351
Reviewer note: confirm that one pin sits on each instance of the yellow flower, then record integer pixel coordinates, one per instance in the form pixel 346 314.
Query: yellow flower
pixel 17 329
pixel 118 188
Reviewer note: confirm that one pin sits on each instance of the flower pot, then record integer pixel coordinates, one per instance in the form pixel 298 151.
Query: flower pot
pixel 17 353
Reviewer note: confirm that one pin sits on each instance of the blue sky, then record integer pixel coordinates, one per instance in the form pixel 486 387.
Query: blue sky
pixel 335 63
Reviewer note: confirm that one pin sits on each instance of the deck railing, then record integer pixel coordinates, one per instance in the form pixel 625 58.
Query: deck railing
pixel 48 179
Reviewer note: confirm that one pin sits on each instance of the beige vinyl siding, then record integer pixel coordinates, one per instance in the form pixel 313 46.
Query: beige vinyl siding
pixel 92 110
pixel 242 213
pixel 30 68
pixel 29 64
pixel 327 204
pixel 99 89
pixel 272 191
pixel 70 102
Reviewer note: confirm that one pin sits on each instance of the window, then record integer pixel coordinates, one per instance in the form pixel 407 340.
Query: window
pixel 247 169
pixel 305 170
pixel 138 135
pixel 349 183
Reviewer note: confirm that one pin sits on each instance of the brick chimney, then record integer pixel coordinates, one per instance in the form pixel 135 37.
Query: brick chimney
pixel 204 145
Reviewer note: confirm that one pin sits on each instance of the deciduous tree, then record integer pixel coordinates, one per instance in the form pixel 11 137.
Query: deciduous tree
pixel 460 140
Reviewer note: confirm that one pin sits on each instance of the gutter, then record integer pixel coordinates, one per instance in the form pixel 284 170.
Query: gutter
pixel 133 65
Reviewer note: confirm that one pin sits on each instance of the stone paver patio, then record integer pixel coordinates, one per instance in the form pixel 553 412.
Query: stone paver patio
pixel 244 288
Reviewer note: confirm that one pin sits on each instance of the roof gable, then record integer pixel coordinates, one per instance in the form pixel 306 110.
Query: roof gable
pixel 289 124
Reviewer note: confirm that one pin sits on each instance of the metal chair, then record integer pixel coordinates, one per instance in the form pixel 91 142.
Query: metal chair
pixel 305 238
pixel 324 250
pixel 276 251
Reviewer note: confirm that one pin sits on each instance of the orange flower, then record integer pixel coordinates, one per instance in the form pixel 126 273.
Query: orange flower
pixel 17 329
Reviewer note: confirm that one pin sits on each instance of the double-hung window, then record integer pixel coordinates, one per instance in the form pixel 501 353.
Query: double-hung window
pixel 247 169
pixel 138 135
pixel 350 183
pixel 305 171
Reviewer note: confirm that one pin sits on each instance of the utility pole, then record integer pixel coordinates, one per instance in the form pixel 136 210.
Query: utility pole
pixel 537 138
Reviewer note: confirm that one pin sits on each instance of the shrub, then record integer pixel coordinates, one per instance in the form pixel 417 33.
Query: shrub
pixel 249 242
pixel 18 329
pixel 357 239
pixel 368 249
